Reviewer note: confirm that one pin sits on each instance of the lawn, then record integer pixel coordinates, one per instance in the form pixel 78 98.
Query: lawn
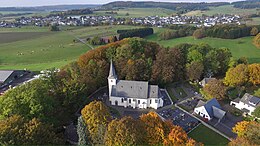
pixel 139 12
pixel 207 136
pixel 173 97
pixel 226 9
pixel 181 92
pixel 241 47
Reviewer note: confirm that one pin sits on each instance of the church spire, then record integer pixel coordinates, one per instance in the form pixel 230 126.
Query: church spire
pixel 112 72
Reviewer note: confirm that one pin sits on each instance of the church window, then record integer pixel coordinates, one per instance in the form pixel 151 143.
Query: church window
pixel 150 101
pixel 156 101
pixel 129 100
pixel 122 99
pixel 138 101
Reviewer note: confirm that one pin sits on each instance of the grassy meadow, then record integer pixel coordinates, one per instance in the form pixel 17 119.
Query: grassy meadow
pixel 36 48
pixel 139 12
pixel 207 136
pixel 242 47
pixel 226 9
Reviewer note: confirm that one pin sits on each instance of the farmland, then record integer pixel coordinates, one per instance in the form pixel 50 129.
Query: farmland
pixel 139 12
pixel 241 47
pixel 37 48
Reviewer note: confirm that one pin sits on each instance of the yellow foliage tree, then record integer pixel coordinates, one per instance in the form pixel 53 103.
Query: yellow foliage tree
pixel 256 40
pixel 96 116
pixel 254 73
pixel 240 128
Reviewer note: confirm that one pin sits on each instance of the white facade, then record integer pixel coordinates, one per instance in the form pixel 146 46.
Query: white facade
pixel 201 111
pixel 134 94
pixel 136 102
pixel 240 105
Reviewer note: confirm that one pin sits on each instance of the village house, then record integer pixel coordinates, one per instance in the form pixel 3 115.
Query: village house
pixel 135 94
pixel 247 103
pixel 210 109
pixel 205 81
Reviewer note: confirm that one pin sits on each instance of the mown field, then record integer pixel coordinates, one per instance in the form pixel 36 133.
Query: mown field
pixel 36 48
pixel 139 12
pixel 207 136
pixel 227 9
pixel 242 47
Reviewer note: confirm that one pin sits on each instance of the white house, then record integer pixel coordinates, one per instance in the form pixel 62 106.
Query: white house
pixel 247 103
pixel 209 109
pixel 135 94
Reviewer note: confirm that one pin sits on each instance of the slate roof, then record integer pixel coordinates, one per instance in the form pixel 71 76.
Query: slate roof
pixel 135 89
pixel 250 100
pixel 4 74
pixel 112 72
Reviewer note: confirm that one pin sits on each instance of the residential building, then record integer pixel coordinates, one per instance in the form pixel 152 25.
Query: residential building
pixel 247 103
pixel 209 110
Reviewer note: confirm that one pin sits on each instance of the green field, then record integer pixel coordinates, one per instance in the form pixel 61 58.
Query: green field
pixel 207 136
pixel 241 47
pixel 227 9
pixel 36 48
pixel 139 12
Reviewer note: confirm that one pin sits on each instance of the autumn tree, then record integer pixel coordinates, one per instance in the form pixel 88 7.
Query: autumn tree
pixel 256 40
pixel 16 130
pixel 215 89
pixel 194 70
pixel 168 67
pixel 254 73
pixel 254 31
pixel 125 131
pixel 177 136
pixel 199 33
pixel 96 116
pixel 237 76
pixel 155 129
pixel 248 132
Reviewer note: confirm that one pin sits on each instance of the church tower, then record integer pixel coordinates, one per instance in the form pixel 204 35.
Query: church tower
pixel 112 77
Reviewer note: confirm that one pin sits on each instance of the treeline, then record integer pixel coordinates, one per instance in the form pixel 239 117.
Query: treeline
pixel 139 32
pixel 101 40
pixel 249 4
pixel 72 12
pixel 229 31
pixel 167 5
pixel 177 32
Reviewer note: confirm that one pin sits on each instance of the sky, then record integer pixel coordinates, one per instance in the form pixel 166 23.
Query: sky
pixel 22 3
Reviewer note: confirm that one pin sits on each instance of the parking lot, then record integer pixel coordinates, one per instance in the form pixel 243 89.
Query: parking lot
pixel 179 118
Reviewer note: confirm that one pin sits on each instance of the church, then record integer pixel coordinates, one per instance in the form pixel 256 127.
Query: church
pixel 134 94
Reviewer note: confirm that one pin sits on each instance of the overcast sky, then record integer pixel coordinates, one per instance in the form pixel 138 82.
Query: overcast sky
pixel 15 3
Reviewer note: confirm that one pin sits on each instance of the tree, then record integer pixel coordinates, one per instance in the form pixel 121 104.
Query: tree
pixel 257 112
pixel 239 142
pixel 125 131
pixel 168 67
pixel 254 31
pixel 256 40
pixel 177 136
pixel 96 116
pixel 257 92
pixel 215 89
pixel 248 132
pixel 30 100
pixel 194 70
pixel 254 73
pixel 199 33
pixel 240 128
pixel 16 130
pixel 237 76
pixel 82 132
pixel 155 129
pixel 54 28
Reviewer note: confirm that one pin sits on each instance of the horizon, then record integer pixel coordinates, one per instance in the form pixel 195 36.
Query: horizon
pixel 29 3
